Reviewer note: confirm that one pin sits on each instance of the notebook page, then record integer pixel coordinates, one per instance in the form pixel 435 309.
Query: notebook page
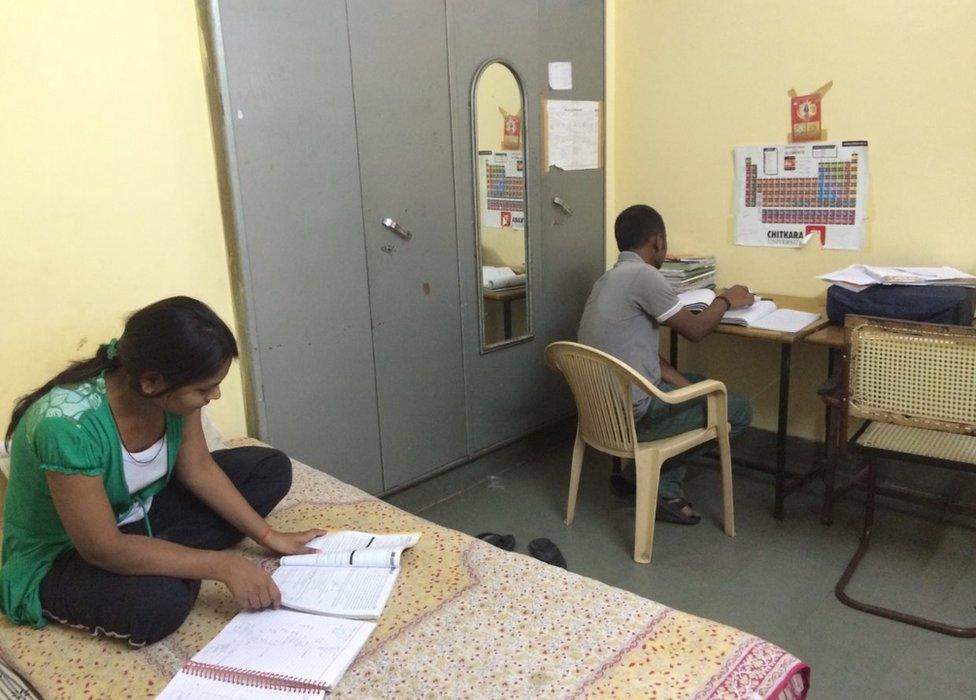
pixel 786 320
pixel 378 558
pixel 188 687
pixel 747 316
pixel 348 540
pixel 308 647
pixel 350 592
pixel 697 300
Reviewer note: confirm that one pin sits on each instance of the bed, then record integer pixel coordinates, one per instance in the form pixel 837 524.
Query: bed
pixel 465 620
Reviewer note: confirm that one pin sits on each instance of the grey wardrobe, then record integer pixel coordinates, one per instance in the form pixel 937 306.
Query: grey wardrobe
pixel 361 348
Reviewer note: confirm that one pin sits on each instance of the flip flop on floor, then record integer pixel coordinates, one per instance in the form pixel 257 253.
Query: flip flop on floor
pixel 669 511
pixel 543 549
pixel 506 542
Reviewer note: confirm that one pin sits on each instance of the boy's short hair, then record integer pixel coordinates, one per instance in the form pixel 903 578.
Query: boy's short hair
pixel 636 225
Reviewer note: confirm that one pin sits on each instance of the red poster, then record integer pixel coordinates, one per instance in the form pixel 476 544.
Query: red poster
pixel 806 117
pixel 512 134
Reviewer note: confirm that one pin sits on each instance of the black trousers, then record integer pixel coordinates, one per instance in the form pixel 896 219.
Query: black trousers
pixel 144 609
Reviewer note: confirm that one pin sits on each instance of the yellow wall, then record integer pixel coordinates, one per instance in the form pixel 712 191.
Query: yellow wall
pixel 695 78
pixel 109 192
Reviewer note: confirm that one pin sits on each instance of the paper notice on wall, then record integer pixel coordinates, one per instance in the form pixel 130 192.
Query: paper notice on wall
pixel 573 141
pixel 789 194
pixel 561 75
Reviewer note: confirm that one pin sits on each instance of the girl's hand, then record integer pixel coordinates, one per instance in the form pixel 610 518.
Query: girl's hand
pixel 252 587
pixel 291 542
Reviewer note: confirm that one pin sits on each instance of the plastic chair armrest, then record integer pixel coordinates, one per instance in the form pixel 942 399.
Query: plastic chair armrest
pixel 702 388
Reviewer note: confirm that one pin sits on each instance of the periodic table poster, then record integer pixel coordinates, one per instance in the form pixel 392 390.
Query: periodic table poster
pixel 787 194
pixel 502 179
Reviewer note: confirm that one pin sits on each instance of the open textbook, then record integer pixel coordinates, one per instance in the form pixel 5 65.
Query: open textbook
pixel 271 655
pixel 352 575
pixel 762 314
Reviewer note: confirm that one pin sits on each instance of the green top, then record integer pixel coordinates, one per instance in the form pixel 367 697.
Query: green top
pixel 69 430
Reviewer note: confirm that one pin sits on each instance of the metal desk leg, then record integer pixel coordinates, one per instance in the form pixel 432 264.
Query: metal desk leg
pixel 507 317
pixel 828 413
pixel 784 413
pixel 831 449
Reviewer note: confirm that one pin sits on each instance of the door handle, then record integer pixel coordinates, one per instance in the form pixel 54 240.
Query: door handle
pixel 397 229
pixel 562 205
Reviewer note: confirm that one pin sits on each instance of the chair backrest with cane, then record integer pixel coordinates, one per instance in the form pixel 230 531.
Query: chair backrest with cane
pixel 920 375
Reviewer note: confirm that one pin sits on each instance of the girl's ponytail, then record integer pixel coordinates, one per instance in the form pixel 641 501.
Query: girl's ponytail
pixel 106 358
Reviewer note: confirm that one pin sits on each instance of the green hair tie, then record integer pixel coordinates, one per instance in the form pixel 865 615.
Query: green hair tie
pixel 112 348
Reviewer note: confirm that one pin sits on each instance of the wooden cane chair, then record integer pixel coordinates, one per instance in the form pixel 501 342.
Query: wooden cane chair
pixel 601 386
pixel 915 385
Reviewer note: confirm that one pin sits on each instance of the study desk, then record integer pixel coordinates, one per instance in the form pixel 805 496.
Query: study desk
pixel 786 342
pixel 506 295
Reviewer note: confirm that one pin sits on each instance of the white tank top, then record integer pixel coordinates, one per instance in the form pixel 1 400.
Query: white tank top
pixel 140 471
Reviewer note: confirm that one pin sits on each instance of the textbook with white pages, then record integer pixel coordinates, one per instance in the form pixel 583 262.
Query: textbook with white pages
pixel 271 655
pixel 352 575
pixel 763 313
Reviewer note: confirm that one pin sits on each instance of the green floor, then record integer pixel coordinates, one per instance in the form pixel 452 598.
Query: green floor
pixel 774 579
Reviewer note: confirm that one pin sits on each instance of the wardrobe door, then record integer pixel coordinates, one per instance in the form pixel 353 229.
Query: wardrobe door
pixel 292 183
pixel 510 390
pixel 573 244
pixel 502 383
pixel 403 119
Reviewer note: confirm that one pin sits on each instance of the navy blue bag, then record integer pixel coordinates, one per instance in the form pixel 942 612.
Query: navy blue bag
pixel 951 305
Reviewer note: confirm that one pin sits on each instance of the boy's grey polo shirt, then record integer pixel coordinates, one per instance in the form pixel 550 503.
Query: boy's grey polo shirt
pixel 622 315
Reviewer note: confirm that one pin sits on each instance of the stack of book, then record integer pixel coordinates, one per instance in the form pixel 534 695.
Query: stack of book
pixel 687 272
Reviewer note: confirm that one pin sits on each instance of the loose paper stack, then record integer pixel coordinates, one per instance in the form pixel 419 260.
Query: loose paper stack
pixel 859 277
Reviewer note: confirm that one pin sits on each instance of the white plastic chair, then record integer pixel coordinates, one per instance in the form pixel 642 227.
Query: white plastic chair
pixel 601 386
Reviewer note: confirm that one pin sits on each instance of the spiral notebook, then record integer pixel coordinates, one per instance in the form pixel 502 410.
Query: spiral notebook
pixel 271 655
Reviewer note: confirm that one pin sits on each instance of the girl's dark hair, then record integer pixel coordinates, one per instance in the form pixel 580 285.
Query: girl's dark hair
pixel 180 338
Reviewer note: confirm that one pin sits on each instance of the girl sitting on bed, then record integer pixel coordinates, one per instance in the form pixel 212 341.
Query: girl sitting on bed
pixel 98 534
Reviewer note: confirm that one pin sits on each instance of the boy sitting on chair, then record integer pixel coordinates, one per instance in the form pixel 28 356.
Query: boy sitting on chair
pixel 622 315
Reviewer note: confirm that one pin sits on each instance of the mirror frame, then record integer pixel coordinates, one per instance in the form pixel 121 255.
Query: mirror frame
pixel 473 103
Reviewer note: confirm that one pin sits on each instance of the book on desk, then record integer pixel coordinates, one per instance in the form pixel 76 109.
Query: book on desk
pixel 762 314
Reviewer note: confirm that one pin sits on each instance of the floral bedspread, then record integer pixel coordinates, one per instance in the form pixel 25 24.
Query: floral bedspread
pixel 465 620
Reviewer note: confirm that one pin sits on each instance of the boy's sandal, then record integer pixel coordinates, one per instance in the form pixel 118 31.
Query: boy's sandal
pixel 669 511
pixel 545 550
pixel 506 542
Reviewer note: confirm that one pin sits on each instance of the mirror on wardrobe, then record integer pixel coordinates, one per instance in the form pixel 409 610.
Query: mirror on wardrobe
pixel 497 108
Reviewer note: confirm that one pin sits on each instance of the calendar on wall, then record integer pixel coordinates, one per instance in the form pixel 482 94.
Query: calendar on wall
pixel 502 179
pixel 788 194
